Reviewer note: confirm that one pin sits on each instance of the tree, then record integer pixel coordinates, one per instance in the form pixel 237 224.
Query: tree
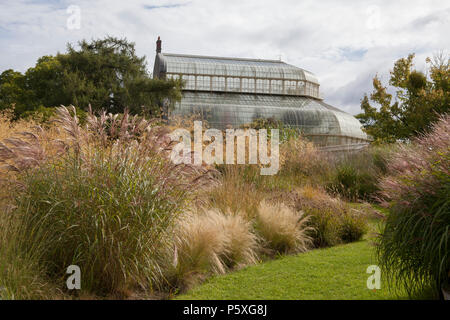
pixel 46 80
pixel 105 73
pixel 13 91
pixel 419 100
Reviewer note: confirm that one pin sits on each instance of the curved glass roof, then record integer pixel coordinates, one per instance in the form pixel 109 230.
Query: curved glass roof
pixel 231 92
pixel 312 116
pixel 237 75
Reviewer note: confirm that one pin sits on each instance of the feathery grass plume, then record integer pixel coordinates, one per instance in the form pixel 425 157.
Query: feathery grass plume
pixel 200 244
pixel 10 125
pixel 414 246
pixel 283 229
pixel 243 244
pixel 210 242
pixel 27 149
pixel 114 126
pixel 104 204
pixel 121 134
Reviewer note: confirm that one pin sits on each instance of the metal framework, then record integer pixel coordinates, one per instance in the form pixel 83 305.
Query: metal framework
pixel 233 92
pixel 215 74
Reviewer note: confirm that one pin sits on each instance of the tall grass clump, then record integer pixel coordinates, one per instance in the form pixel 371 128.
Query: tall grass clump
pixel 104 204
pixel 414 246
pixel 107 219
pixel 21 276
pixel 355 176
pixel 283 229
pixel 303 162
pixel 9 124
pixel 236 192
pixel 210 242
pixel 332 220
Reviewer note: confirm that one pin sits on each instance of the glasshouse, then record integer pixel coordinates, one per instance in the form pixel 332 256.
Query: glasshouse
pixel 232 92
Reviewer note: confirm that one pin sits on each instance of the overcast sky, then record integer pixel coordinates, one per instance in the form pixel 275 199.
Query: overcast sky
pixel 345 43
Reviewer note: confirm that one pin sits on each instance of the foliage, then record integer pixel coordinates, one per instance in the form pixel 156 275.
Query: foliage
pixel 103 195
pixel 332 220
pixel 210 242
pixel 14 92
pixel 355 176
pixel 352 182
pixel 104 203
pixel 285 132
pixel 353 226
pixel 302 160
pixel 105 73
pixel 283 229
pixel 301 163
pixel 418 100
pixel 236 193
pixel 414 244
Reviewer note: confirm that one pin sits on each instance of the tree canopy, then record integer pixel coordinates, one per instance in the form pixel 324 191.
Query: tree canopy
pixel 418 101
pixel 105 73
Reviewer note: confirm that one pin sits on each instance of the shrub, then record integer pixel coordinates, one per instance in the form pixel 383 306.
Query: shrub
pixel 283 229
pixel 356 175
pixel 199 245
pixel 243 243
pixel 353 226
pixel 414 244
pixel 210 242
pixel 285 132
pixel 334 228
pixel 333 221
pixel 352 183
pixel 327 226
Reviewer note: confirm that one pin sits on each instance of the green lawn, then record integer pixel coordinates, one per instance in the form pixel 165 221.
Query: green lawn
pixel 333 273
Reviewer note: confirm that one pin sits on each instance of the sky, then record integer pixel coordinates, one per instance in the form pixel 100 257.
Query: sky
pixel 344 43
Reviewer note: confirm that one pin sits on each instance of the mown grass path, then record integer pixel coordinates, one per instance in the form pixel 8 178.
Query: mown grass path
pixel 332 273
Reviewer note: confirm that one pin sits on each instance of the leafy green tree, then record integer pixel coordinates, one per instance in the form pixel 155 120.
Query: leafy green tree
pixel 419 99
pixel 105 73
pixel 46 80
pixel 13 91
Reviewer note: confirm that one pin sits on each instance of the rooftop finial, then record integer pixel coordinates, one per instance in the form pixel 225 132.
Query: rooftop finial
pixel 158 45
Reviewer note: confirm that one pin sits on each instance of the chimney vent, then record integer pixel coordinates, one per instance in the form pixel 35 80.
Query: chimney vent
pixel 158 45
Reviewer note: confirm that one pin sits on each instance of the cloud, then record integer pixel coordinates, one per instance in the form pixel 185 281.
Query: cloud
pixel 344 44
pixel 164 6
